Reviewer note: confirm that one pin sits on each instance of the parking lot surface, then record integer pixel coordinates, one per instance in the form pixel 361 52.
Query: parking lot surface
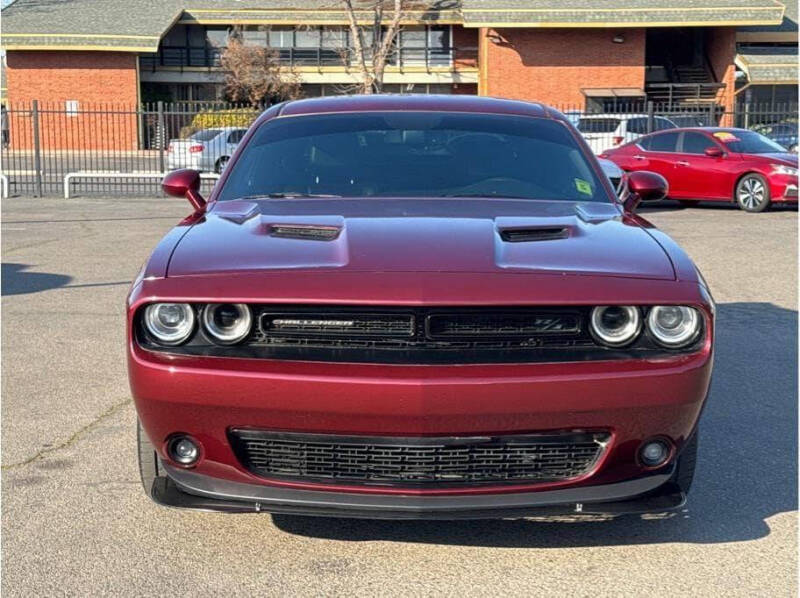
pixel 75 520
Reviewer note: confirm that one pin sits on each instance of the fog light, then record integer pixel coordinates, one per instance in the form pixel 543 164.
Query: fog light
pixel 183 450
pixel 654 453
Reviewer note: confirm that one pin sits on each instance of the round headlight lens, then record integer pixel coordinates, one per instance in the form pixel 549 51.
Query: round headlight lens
pixel 227 323
pixel 674 325
pixel 169 323
pixel 616 325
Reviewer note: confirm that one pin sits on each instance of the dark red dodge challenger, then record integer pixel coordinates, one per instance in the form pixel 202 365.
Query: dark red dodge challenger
pixel 418 307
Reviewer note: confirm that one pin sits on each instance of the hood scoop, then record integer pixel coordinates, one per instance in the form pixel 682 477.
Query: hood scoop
pixel 307 232
pixel 528 234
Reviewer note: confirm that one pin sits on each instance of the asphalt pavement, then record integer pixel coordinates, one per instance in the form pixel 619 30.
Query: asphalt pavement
pixel 76 522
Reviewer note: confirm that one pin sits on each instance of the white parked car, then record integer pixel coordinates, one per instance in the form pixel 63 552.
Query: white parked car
pixel 208 150
pixel 606 131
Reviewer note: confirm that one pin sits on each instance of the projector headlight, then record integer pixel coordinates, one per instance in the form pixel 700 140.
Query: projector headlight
pixel 615 325
pixel 169 323
pixel 227 323
pixel 674 325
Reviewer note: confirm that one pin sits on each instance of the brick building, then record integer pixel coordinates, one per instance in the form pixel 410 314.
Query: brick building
pixel 585 54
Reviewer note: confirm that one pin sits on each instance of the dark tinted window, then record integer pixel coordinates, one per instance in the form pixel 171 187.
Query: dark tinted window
pixel 638 126
pixel 696 143
pixel 414 154
pixel 666 142
pixel 206 135
pixel 598 125
pixel 662 124
pixel 236 136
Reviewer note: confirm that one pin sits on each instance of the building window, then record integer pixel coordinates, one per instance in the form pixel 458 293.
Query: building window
pixel 194 45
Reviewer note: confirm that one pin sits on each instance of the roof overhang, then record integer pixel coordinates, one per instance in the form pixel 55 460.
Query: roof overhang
pixel 769 66
pixel 613 92
pixel 319 16
pixel 624 13
pixel 88 41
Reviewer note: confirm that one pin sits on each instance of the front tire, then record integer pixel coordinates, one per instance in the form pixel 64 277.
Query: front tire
pixel 752 193
pixel 149 461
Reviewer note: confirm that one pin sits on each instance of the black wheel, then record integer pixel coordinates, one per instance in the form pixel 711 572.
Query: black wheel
pixel 221 164
pixel 687 461
pixel 149 462
pixel 752 193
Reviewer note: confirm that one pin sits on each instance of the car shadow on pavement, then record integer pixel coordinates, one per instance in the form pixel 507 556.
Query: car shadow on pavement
pixel 746 472
pixel 16 280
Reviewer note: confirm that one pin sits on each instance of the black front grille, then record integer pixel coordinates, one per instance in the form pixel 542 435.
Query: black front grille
pixel 323 323
pixel 417 462
pixel 418 335
pixel 502 325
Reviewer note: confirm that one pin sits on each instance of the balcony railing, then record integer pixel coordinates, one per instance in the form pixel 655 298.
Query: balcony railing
pixel 183 57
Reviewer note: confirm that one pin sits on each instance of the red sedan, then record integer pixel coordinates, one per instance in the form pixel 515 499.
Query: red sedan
pixel 717 164
pixel 417 307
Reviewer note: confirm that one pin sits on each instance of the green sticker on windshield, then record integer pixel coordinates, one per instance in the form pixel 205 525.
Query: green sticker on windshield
pixel 583 186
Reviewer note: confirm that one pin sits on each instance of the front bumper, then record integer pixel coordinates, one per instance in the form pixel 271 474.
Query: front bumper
pixel 783 188
pixel 185 489
pixel 631 399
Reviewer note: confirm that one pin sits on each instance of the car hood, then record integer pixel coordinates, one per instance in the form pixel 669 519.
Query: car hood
pixel 787 158
pixel 413 235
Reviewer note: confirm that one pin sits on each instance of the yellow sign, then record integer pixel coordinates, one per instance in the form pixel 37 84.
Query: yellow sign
pixel 725 136
pixel 583 187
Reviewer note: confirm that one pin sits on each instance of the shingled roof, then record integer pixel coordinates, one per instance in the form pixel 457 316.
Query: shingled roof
pixel 775 65
pixel 620 13
pixel 785 31
pixel 138 25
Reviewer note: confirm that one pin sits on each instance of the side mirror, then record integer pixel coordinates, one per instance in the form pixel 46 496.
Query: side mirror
pixel 644 186
pixel 185 183
pixel 714 152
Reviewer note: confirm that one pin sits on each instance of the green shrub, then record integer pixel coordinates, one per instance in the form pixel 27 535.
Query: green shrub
pixel 237 117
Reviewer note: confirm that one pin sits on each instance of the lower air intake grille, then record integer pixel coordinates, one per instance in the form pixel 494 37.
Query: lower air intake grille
pixel 417 462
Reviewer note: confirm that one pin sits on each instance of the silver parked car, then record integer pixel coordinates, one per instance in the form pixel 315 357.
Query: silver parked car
pixel 208 150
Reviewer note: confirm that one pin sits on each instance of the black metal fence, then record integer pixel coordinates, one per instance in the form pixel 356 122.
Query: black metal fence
pixel 69 149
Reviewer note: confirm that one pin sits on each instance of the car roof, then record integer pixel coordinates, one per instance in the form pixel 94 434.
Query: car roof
pixel 702 129
pixel 620 116
pixel 417 102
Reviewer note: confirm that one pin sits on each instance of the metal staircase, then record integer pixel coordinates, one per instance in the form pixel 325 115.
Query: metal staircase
pixel 689 86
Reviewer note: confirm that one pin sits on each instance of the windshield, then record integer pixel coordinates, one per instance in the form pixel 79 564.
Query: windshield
pixel 747 142
pixel 206 135
pixel 413 154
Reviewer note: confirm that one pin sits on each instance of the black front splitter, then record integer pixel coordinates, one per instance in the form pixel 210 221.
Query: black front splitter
pixel 666 497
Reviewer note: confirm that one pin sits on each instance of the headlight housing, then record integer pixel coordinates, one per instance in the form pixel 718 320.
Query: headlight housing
pixel 169 323
pixel 674 326
pixel 227 323
pixel 784 169
pixel 615 325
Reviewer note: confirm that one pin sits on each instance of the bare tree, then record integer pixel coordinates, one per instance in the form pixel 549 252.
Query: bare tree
pixel 373 38
pixel 254 74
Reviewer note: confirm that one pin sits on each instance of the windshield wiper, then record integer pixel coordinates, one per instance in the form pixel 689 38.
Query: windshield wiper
pixel 287 195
